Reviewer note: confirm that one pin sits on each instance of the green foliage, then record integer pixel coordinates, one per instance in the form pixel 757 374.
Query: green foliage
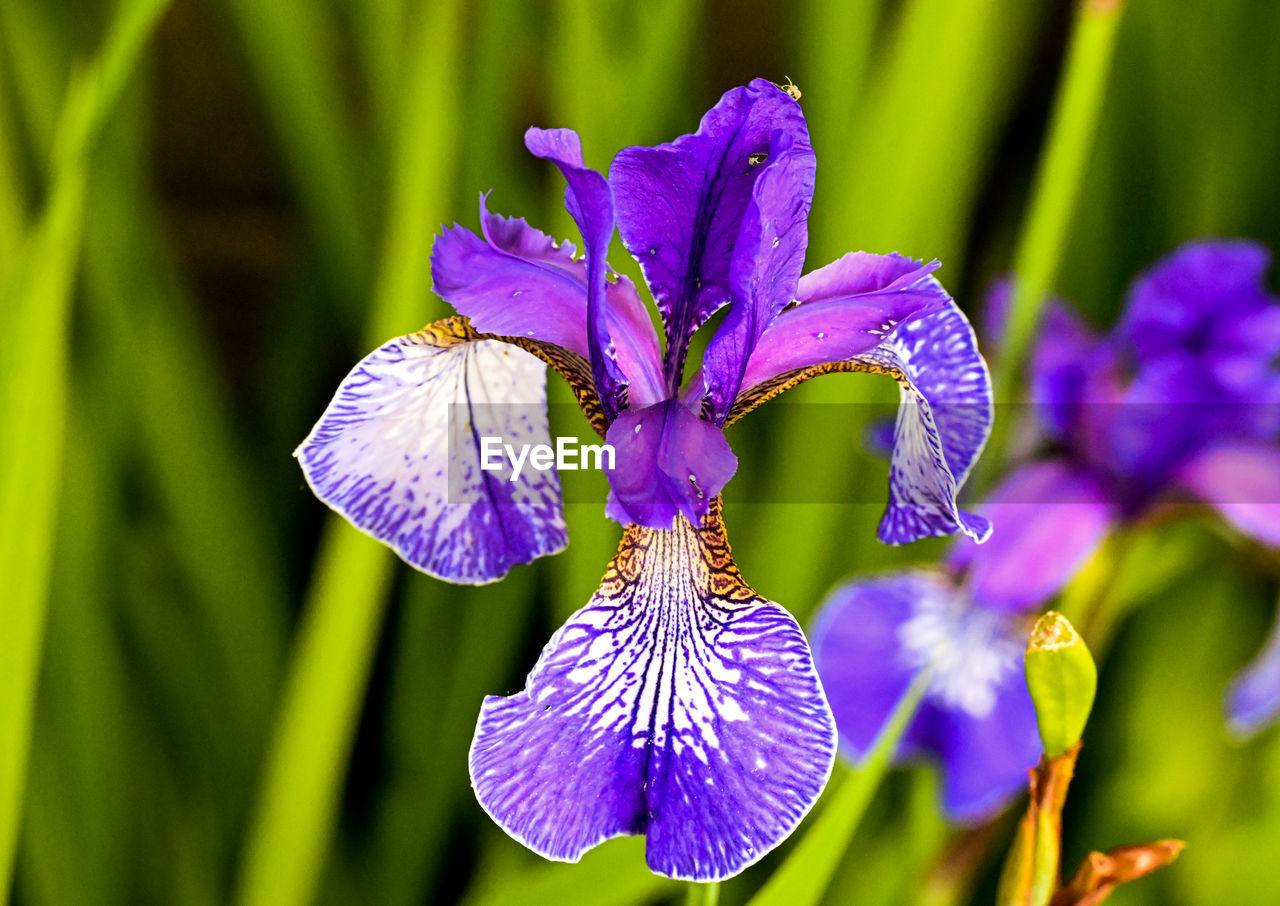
pixel 1062 679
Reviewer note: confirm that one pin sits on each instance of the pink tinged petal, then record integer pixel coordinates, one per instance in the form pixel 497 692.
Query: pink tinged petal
pixel 1242 482
pixel 847 308
pixel 681 205
pixel 943 421
pixel 677 704
pixel 1253 700
pixel 1052 518
pixel 397 452
pixel 667 462
pixel 590 202
pixel 766 265
pixel 515 281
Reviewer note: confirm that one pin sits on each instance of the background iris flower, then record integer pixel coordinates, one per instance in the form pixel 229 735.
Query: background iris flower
pixel 678 703
pixel 1181 396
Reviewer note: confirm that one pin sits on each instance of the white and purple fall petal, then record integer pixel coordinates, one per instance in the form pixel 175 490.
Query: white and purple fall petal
pixel 677 704
pixel 398 453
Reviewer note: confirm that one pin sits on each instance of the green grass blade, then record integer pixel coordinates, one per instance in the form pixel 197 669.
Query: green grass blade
pixel 804 876
pixel 33 394
pixel 291 48
pixel 294 819
pixel 293 822
pixel 613 874
pixel 1057 183
pixel 33 389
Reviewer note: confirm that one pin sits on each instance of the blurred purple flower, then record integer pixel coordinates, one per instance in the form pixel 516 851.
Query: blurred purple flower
pixel 967 624
pixel 1183 395
pixel 678 703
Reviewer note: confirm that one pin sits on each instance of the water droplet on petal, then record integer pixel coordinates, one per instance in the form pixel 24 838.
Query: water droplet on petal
pixel 638 427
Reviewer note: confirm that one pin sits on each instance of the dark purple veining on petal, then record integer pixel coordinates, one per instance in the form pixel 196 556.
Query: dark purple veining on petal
pixel 677 704
pixel 397 452
pixel 765 269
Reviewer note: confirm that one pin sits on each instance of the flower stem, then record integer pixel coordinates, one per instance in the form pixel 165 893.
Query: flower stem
pixel 1055 192
pixel 804 876
pixel 703 894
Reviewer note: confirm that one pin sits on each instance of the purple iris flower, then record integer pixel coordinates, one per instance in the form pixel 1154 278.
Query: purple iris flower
pixel 678 704
pixel 967 624
pixel 1183 395
pixel 1182 398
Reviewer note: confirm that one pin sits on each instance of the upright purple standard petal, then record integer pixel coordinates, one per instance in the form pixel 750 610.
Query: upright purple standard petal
pixel 398 452
pixel 1052 517
pixel 873 635
pixel 1066 365
pixel 667 462
pixel 677 704
pixel 1209 295
pixel 681 205
pixel 766 265
pixel 1253 701
pixel 590 203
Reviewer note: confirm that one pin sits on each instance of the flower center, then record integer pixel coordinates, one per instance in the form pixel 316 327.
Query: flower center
pixel 970 650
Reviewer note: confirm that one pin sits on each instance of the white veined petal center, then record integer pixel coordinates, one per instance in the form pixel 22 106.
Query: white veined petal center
pixel 969 649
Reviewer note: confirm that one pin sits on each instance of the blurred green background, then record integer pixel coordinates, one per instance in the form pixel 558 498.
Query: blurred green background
pixel 210 209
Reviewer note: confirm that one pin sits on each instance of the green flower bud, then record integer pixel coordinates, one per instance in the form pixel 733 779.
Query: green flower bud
pixel 1063 679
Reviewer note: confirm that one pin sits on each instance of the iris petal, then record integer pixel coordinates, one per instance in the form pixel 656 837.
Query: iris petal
pixel 846 308
pixel 1177 305
pixel 943 422
pixel 1253 701
pixel 874 635
pixel 859 656
pixel 987 757
pixel 514 281
pixel 1052 518
pixel 945 412
pixel 397 452
pixel 590 203
pixel 668 462
pixel 1242 482
pixel 681 204
pixel 677 704
pixel 765 271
